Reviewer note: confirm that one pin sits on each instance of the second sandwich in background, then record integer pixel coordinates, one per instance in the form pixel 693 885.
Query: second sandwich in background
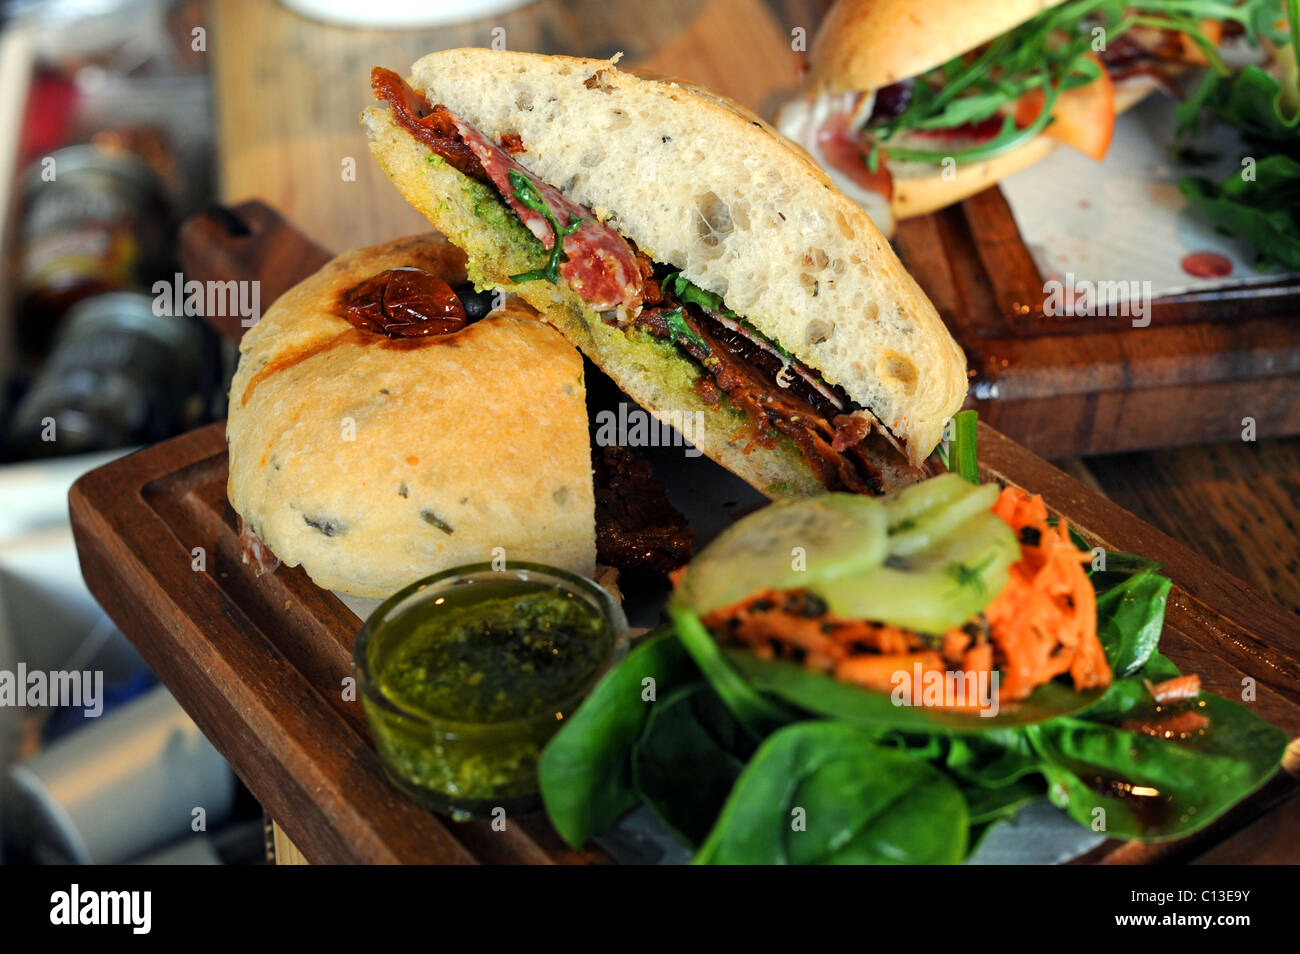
pixel 913 107
pixel 692 253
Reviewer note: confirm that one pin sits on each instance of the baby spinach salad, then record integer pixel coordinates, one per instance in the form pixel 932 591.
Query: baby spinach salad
pixel 760 761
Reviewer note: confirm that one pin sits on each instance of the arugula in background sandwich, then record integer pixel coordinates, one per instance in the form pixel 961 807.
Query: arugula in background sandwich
pixel 1050 54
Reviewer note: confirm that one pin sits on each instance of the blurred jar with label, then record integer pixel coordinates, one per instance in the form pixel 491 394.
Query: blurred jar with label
pixel 93 222
pixel 119 374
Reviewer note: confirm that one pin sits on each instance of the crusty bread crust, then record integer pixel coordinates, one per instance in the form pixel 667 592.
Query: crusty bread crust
pixel 408 460
pixel 707 187
pixel 919 194
pixel 868 44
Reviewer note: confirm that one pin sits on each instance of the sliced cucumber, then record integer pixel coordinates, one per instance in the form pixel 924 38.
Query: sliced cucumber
pixel 928 558
pixel 934 589
pixel 908 507
pixel 923 528
pixel 790 544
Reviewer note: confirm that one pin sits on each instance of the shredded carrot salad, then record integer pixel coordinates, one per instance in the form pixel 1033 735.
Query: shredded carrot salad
pixel 1042 625
pixel 796 626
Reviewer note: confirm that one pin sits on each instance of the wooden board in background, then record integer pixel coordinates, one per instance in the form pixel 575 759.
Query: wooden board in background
pixel 1076 386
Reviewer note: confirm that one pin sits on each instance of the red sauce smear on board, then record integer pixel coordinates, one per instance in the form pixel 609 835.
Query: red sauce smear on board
pixel 1206 265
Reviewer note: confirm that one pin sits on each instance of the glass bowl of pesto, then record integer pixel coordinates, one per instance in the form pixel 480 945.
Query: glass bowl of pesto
pixel 465 675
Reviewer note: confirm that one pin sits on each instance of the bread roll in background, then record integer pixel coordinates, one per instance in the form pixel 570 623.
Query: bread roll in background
pixel 863 46
pixel 372 462
pixel 869 44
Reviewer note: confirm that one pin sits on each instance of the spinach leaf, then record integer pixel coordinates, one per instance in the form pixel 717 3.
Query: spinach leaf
pixel 755 710
pixel 1155 788
pixel 689 756
pixel 1130 695
pixel 824 792
pixel 998 759
pixel 1130 617
pixel 826 696
pixel 585 772
pixel 1120 566
pixel 987 805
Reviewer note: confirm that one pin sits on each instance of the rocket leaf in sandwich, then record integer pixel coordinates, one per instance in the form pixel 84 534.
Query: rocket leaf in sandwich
pixel 530 198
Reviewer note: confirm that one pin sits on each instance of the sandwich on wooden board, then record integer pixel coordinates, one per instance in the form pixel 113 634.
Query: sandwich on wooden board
pixel 701 260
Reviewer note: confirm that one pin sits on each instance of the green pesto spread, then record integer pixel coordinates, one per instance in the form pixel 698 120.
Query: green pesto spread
pixel 476 682
pixel 494 652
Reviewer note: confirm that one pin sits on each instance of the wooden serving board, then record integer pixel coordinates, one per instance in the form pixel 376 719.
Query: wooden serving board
pixel 260 664
pixel 1076 386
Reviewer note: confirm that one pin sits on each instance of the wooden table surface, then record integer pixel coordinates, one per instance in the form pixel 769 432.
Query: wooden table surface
pixel 289 92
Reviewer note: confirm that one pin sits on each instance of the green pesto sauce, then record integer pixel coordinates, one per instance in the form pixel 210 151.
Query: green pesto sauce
pixel 487 206
pixel 493 651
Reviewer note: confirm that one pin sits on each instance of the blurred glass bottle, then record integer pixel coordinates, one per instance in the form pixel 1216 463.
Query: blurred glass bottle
pixel 119 374
pixel 93 222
